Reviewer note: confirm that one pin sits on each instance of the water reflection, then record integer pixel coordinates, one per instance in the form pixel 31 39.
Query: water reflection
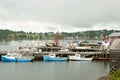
pixel 72 70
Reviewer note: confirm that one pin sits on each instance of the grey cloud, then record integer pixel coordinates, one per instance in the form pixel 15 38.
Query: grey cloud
pixel 50 28
pixel 69 12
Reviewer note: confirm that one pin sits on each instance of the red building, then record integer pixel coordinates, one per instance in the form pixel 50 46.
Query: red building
pixel 114 55
pixel 113 36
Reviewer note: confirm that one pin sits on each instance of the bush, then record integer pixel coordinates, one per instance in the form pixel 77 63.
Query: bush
pixel 115 75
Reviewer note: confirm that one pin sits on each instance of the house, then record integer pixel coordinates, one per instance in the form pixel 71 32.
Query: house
pixel 113 36
pixel 115 55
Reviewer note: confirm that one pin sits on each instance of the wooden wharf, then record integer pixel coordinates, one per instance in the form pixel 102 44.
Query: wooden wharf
pixel 44 48
pixel 96 55
pixel 87 52
pixel 57 49
pixel 70 52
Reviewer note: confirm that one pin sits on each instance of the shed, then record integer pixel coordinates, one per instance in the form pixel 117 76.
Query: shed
pixel 113 36
pixel 115 55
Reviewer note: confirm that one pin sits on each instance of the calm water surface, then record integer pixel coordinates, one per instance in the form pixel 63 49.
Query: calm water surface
pixel 72 70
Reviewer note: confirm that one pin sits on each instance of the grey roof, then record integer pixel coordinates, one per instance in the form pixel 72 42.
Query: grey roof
pixel 115 34
pixel 115 45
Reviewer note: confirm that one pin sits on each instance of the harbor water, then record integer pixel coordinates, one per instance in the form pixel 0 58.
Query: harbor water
pixel 39 70
pixel 72 70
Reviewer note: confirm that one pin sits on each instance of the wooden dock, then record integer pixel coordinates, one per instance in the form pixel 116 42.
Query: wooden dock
pixel 95 55
pixel 68 52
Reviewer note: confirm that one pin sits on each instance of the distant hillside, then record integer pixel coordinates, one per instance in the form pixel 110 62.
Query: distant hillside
pixel 9 35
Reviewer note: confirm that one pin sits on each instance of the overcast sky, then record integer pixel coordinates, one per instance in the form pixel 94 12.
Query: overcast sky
pixel 59 15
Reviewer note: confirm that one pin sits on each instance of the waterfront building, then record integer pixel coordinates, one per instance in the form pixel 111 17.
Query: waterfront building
pixel 113 36
pixel 115 55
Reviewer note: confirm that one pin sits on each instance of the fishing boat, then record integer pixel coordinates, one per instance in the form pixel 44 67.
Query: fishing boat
pixel 15 57
pixel 77 57
pixel 52 57
pixel 100 58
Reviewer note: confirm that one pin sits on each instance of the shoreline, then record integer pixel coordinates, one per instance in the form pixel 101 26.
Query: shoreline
pixel 104 78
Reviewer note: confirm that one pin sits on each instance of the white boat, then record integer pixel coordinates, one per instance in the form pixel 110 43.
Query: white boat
pixel 77 57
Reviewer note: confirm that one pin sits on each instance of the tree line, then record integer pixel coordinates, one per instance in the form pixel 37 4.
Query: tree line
pixel 9 35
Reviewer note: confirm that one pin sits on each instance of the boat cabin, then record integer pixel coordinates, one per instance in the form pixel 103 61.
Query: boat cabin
pixel 77 55
pixel 52 55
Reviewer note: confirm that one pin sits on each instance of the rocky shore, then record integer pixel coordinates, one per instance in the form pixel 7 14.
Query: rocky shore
pixel 104 78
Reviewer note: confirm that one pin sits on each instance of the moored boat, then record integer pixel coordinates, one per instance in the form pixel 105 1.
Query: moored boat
pixel 77 57
pixel 100 58
pixel 52 57
pixel 15 57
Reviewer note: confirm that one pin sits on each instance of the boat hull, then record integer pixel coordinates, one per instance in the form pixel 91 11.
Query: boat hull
pixel 6 59
pixel 72 58
pixel 81 59
pixel 10 59
pixel 47 58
